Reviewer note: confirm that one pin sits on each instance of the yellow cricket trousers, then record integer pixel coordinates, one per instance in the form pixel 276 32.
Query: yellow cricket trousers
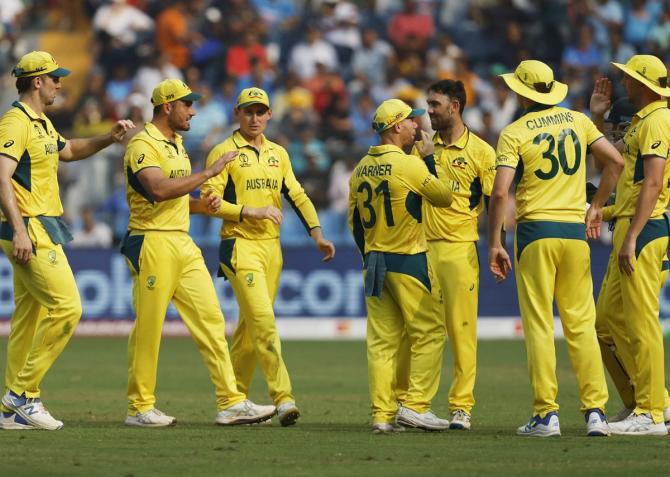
pixel 410 302
pixel 47 310
pixel 628 309
pixel 253 268
pixel 167 266
pixel 552 261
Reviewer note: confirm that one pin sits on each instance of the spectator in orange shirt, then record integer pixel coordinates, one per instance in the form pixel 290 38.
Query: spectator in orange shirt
pixel 241 56
pixel 172 33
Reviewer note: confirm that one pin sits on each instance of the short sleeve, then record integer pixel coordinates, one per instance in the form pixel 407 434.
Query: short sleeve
pixel 653 137
pixel 487 174
pixel 591 131
pixel 14 136
pixel 141 155
pixel 507 152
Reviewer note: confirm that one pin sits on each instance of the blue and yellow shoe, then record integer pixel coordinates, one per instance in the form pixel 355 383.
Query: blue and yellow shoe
pixel 547 426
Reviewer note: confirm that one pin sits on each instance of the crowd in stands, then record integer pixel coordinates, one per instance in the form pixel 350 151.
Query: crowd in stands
pixel 326 65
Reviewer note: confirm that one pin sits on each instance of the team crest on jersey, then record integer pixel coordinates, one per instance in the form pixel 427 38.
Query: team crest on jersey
pixel 151 282
pixel 249 277
pixel 38 130
pixel 459 162
pixel 273 161
pixel 169 151
pixel 244 160
pixel 52 256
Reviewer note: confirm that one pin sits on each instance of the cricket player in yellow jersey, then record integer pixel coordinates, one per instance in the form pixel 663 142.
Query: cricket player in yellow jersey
pixel 546 150
pixel 250 253
pixel 47 304
pixel 629 299
pixel 402 293
pixel 468 164
pixel 167 266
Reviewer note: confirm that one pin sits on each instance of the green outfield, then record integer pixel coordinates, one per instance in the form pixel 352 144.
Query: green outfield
pixel 86 390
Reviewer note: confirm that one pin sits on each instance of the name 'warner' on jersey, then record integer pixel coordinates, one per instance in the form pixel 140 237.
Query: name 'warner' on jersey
pixel 256 178
pixel 646 136
pixel 385 198
pixel 32 141
pixel 548 147
pixel 150 148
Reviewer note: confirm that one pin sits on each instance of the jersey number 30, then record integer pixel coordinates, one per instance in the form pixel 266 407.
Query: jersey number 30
pixel 383 189
pixel 560 162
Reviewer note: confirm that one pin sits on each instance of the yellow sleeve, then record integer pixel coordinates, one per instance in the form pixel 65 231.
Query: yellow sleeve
pixel 13 137
pixel 296 196
pixel 217 185
pixel 487 173
pixel 507 152
pixel 141 155
pixel 654 138
pixel 608 213
pixel 421 181
pixel 592 132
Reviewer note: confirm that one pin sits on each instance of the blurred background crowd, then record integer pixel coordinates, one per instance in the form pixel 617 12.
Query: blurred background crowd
pixel 325 63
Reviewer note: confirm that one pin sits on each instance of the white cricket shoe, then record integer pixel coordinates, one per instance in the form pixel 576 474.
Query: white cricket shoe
pixel 245 412
pixel 541 427
pixel 386 427
pixel 12 421
pixel 426 421
pixel 596 423
pixel 666 417
pixel 150 418
pixel 32 411
pixel 460 420
pixel 639 425
pixel 621 415
pixel 288 414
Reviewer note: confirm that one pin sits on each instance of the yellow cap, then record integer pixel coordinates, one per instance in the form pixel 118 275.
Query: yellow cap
pixel 534 80
pixel 391 112
pixel 249 96
pixel 171 90
pixel 648 70
pixel 38 63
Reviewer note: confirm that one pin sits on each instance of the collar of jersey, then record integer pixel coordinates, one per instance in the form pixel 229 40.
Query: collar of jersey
pixel 239 141
pixel 460 143
pixel 384 149
pixel 651 107
pixel 155 133
pixel 537 107
pixel 27 110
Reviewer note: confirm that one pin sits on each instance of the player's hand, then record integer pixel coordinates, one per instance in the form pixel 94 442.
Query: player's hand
pixel 270 212
pixel 22 248
pixel 120 129
pixel 627 256
pixel 499 263
pixel 212 202
pixel 216 168
pixel 327 247
pixel 425 146
pixel 594 220
pixel 601 98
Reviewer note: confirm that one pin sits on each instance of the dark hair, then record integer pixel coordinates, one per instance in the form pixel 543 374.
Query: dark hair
pixel 452 88
pixel 157 110
pixel 23 84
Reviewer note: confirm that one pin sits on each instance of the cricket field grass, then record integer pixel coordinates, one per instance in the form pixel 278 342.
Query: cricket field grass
pixel 86 389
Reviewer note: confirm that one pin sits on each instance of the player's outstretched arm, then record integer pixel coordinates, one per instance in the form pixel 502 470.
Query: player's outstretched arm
pixel 78 149
pixel 162 188
pixel 605 153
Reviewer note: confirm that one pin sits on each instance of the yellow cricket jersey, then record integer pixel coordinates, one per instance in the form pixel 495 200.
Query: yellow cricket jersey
pixel 547 146
pixel 32 141
pixel 385 200
pixel 256 178
pixel 150 148
pixel 648 135
pixel 469 167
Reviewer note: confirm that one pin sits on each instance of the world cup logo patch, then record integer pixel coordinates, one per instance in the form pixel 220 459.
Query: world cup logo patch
pixel 151 282
pixel 52 256
pixel 249 277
